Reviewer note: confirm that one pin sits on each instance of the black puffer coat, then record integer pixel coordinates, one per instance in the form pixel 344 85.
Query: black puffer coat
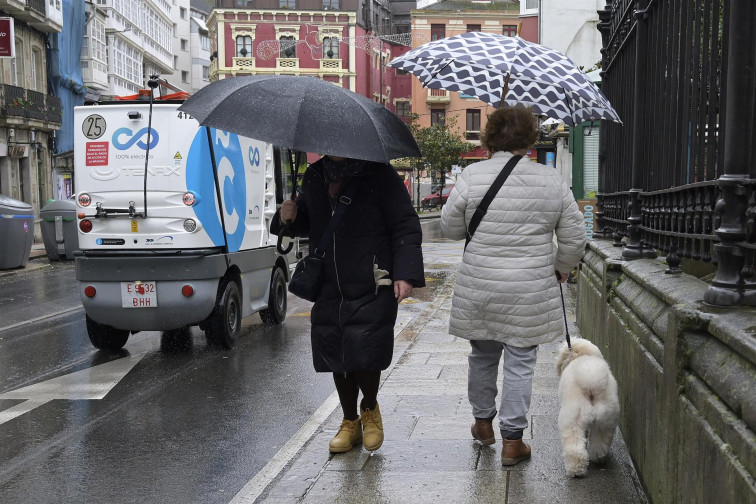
pixel 353 319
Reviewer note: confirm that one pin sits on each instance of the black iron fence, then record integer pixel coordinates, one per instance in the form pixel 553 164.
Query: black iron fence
pixel 19 102
pixel 679 175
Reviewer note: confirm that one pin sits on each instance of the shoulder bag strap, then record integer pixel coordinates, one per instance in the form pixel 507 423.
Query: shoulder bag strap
pixel 344 201
pixel 480 212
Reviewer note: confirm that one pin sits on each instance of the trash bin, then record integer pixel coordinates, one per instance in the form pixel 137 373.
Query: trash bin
pixel 59 229
pixel 16 232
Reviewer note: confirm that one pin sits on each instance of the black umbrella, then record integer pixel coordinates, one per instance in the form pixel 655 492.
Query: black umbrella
pixel 304 114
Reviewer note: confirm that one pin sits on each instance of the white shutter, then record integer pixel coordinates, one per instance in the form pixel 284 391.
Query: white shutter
pixel 590 161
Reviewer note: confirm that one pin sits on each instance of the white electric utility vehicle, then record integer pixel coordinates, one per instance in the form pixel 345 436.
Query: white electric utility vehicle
pixel 173 223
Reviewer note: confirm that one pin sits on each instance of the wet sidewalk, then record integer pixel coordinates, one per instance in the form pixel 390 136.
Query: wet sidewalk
pixel 428 455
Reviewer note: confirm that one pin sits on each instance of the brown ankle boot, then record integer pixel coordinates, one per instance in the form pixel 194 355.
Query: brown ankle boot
pixel 482 430
pixel 350 434
pixel 372 428
pixel 513 451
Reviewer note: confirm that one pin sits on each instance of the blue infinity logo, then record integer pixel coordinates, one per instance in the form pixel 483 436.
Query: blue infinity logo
pixel 134 138
pixel 254 156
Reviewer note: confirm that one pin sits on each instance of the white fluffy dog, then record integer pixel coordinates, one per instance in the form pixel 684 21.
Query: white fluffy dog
pixel 589 410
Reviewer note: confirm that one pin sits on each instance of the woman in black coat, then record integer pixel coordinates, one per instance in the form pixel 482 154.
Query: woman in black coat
pixel 373 262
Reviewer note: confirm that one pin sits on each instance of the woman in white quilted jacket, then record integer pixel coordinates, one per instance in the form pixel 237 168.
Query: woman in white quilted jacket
pixel 506 300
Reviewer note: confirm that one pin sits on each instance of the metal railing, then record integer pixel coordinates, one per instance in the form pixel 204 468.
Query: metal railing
pixel 37 6
pixel 19 102
pixel 679 176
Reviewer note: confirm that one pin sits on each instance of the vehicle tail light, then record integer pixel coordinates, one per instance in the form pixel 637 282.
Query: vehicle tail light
pixel 84 199
pixel 187 290
pixel 90 291
pixel 189 198
pixel 85 225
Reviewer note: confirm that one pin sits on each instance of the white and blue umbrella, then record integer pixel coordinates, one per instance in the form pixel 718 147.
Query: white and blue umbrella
pixel 487 65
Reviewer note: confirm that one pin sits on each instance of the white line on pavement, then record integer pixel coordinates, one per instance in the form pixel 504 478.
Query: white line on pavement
pixel 20 409
pixel 37 319
pixel 267 474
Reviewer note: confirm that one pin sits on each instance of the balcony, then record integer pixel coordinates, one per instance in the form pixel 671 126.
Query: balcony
pixel 333 65
pixel 243 64
pixel 438 96
pixel 473 136
pixel 37 13
pixel 21 106
pixel 287 64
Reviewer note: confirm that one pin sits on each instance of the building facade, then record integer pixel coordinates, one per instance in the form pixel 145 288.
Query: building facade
pixel 345 42
pixel 445 19
pixel 29 115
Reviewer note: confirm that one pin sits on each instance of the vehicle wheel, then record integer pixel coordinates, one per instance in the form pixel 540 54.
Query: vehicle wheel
pixel 275 313
pixel 104 337
pixel 224 323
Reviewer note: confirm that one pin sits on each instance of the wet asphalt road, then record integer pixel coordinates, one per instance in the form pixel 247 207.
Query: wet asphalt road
pixel 167 419
pixel 187 423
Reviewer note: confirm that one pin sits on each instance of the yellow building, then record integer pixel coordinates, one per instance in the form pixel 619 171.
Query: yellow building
pixel 445 19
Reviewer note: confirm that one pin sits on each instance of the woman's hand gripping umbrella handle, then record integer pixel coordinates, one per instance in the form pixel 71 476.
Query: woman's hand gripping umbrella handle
pixel 288 214
pixel 289 208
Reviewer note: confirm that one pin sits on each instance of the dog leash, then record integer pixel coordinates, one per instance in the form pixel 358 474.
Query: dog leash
pixel 564 312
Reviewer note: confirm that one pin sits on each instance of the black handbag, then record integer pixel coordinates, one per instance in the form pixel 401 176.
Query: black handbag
pixel 492 191
pixel 308 275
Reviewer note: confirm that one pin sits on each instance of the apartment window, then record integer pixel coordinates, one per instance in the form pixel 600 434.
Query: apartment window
pixel 205 42
pixel 18 64
pixel 509 30
pixel 184 44
pixel 438 116
pixel 288 49
pixel 36 70
pixel 531 4
pixel 473 28
pixel 473 120
pixel 175 29
pixel 330 4
pixel 331 48
pixel 438 31
pixel 205 72
pixel 182 12
pixel 184 76
pixel 403 109
pixel 175 62
pixel 287 4
pixel 244 46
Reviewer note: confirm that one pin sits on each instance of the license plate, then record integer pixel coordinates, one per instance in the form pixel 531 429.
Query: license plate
pixel 138 294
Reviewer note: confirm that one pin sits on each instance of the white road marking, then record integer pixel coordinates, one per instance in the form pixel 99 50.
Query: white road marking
pixel 37 319
pixel 90 383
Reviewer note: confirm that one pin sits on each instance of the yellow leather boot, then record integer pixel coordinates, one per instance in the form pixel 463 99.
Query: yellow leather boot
pixel 350 434
pixel 372 428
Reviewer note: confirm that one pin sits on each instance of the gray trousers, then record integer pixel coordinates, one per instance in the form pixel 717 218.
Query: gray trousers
pixel 516 384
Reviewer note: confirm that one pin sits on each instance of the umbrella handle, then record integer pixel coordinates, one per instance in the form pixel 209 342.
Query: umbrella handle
pixel 279 245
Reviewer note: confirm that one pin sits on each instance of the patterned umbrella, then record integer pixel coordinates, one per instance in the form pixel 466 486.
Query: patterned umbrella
pixel 486 64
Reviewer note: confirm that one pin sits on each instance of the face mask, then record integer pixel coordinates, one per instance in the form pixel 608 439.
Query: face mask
pixel 337 171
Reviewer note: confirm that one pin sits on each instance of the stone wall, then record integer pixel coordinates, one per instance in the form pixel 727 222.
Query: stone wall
pixel 686 372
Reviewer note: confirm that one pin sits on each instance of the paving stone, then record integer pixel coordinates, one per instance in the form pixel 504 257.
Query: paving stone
pixel 429 405
pixel 414 358
pixel 416 487
pixel 416 372
pixel 442 427
pixel 425 455
pixel 454 372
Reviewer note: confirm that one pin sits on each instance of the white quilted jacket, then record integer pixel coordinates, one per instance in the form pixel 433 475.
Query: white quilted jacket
pixel 506 289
